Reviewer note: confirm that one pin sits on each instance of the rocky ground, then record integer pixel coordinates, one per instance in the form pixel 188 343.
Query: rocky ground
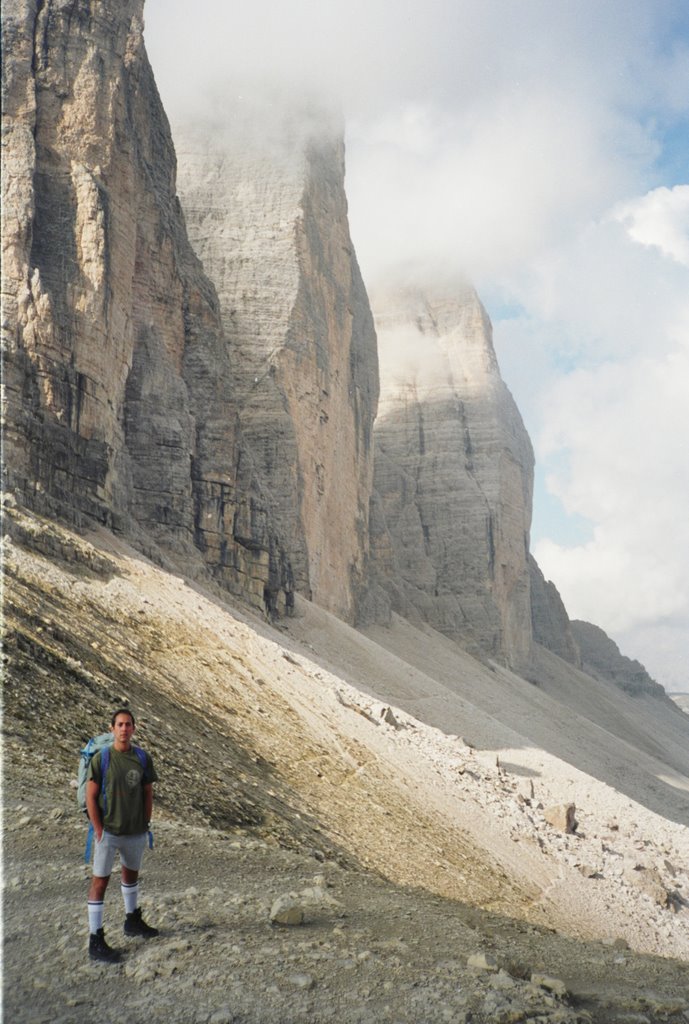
pixel 367 952
pixel 432 887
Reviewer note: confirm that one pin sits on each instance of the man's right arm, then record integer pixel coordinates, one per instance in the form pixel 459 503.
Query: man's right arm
pixel 92 808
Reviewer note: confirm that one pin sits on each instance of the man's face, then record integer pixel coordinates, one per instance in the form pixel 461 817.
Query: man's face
pixel 122 730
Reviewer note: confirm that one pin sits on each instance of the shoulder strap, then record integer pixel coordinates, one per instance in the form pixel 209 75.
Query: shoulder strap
pixel 89 843
pixel 104 763
pixel 89 750
pixel 143 758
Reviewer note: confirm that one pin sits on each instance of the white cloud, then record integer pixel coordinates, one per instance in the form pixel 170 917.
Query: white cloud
pixel 479 131
pixel 612 436
pixel 596 298
pixel 481 190
pixel 661 219
pixel 624 430
pixel 375 53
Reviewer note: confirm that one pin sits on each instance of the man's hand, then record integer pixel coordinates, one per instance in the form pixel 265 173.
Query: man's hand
pixel 92 808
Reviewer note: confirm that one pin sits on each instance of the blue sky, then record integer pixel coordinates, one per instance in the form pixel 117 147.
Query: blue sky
pixel 541 148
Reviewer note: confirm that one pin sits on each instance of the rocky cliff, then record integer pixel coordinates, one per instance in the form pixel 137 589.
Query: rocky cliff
pixel 453 475
pixel 264 200
pixel 550 622
pixel 117 375
pixel 232 429
pixel 234 432
pixel 602 659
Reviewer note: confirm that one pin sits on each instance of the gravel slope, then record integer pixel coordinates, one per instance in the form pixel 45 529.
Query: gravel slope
pixel 287 766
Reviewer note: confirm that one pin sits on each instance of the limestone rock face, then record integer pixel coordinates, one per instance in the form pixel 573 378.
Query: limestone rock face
pixel 601 658
pixel 117 376
pixel 266 212
pixel 453 475
pixel 549 619
pixel 216 401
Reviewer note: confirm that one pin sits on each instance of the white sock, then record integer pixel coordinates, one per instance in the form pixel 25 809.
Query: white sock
pixel 130 895
pixel 95 916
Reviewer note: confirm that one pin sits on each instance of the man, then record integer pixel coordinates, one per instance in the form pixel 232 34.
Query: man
pixel 120 812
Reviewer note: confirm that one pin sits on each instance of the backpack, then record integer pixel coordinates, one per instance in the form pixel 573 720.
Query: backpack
pixel 96 743
pixel 103 742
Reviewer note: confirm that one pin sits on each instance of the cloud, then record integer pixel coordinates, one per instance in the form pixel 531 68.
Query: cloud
pixel 624 429
pixel 660 218
pixel 479 132
pixel 482 191
pixel 597 297
pixel 610 433
pixel 377 53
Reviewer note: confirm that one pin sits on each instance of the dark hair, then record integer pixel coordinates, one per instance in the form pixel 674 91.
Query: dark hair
pixel 122 711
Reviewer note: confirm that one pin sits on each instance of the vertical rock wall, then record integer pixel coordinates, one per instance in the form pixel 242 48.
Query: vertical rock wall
pixel 68 249
pixel 118 401
pixel 266 211
pixel 233 428
pixel 453 475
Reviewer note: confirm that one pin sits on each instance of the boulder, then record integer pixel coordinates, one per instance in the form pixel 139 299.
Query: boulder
pixel 550 984
pixel 287 910
pixel 648 880
pixel 482 962
pixel 561 817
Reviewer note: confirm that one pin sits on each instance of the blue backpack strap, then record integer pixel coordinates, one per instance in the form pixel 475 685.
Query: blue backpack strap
pixel 104 762
pixel 89 843
pixel 141 754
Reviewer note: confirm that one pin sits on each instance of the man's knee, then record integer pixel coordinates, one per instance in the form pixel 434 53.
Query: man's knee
pixel 98 886
pixel 129 877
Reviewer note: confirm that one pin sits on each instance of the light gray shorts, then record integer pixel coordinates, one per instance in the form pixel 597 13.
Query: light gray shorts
pixel 131 850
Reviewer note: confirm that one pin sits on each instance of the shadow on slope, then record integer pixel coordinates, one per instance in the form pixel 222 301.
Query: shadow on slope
pixel 71 658
pixel 250 730
pixel 637 745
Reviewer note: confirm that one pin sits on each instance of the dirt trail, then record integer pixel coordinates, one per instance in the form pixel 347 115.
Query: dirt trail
pixel 368 951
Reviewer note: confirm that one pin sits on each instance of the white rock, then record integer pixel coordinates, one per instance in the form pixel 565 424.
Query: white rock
pixel 287 910
pixel 550 984
pixel 482 962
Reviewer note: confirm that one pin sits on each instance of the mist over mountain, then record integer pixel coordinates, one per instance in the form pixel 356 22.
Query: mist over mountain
pixel 204 376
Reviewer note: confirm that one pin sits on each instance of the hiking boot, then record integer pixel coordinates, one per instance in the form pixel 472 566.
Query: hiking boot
pixel 135 925
pixel 100 950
